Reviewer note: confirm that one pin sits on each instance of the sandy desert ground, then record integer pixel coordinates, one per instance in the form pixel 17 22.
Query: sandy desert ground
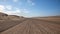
pixel 30 26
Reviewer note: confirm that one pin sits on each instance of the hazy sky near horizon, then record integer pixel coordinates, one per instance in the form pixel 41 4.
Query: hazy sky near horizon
pixel 30 8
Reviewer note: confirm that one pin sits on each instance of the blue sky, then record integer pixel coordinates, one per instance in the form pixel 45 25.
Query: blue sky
pixel 30 8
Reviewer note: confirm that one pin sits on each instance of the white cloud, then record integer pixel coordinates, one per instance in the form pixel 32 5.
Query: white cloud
pixel 15 0
pixel 9 7
pixel 10 12
pixel 30 2
pixel 2 8
pixel 17 11
pixel 25 11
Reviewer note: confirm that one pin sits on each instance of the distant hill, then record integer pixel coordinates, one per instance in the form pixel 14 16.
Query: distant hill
pixel 8 21
pixel 4 16
pixel 49 18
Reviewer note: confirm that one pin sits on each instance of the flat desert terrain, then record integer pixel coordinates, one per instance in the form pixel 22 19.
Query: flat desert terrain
pixel 48 25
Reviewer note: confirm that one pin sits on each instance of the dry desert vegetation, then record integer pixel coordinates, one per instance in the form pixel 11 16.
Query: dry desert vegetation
pixel 12 24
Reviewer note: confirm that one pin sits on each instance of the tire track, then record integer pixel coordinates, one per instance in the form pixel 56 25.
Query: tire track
pixel 33 26
pixel 47 27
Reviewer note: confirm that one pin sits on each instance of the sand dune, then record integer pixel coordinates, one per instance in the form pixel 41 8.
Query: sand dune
pixel 30 26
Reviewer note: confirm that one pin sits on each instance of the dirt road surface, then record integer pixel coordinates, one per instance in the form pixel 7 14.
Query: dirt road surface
pixel 34 26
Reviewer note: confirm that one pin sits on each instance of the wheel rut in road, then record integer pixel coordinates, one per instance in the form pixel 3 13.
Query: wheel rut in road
pixel 33 26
